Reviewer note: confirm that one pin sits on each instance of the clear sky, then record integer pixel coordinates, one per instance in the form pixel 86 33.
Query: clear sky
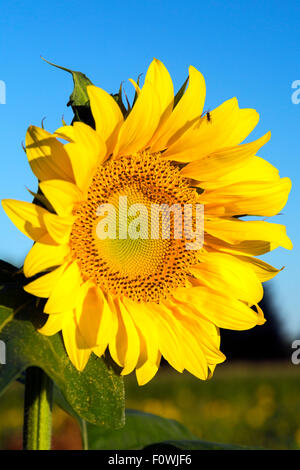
pixel 247 49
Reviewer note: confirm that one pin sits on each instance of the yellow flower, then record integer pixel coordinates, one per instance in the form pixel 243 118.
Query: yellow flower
pixel 143 298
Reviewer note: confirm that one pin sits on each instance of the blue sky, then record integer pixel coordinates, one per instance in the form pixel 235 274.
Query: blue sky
pixel 250 50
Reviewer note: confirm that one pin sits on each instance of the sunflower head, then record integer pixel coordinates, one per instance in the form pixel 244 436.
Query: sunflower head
pixel 131 260
pixel 143 248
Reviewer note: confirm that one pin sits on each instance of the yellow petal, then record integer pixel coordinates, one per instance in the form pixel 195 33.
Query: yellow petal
pixel 244 248
pixel 127 344
pixel 247 121
pixel 223 311
pixel 147 371
pixel 143 355
pixel 44 285
pixel 53 324
pixel 207 333
pixel 62 195
pixel 169 342
pixel 86 152
pixel 263 270
pixel 235 231
pixel 27 217
pixel 95 319
pixel 254 169
pixel 261 198
pixel 66 291
pixel 202 137
pixel 47 156
pixel 59 228
pixel 66 133
pixel 225 273
pixel 107 114
pixel 187 111
pixel 143 318
pixel 161 81
pixel 223 161
pixel 74 343
pixel 141 123
pixel 193 356
pixel 228 127
pixel 43 256
pixel 210 341
pixel 136 87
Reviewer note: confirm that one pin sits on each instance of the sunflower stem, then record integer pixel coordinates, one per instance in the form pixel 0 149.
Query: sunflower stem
pixel 37 410
pixel 84 435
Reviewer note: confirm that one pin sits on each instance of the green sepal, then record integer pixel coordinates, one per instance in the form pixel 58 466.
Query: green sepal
pixel 79 99
pixel 180 92
pixel 119 100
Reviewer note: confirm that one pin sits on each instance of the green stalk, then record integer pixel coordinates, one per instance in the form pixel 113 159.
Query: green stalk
pixel 84 435
pixel 37 410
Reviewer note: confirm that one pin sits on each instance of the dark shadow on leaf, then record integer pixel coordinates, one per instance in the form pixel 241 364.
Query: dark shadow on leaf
pixel 110 363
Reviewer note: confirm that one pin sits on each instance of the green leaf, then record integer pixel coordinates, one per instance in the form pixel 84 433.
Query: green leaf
pixel 7 270
pixel 96 394
pixel 79 100
pixel 195 444
pixel 140 430
pixel 144 431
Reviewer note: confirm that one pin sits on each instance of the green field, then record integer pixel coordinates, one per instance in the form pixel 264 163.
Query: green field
pixel 248 404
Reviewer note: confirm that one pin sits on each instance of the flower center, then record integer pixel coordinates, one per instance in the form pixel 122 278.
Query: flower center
pixel 120 237
pixel 136 254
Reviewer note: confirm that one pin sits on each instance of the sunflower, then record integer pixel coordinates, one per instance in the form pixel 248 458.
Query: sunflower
pixel 144 298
